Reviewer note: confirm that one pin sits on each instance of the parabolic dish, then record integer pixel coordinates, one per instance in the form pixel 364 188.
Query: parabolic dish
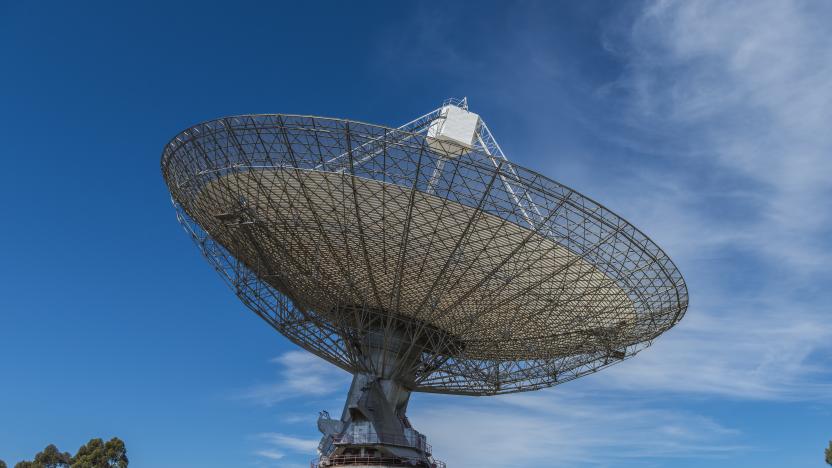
pixel 337 232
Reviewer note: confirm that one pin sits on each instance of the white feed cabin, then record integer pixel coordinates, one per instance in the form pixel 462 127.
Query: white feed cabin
pixel 455 124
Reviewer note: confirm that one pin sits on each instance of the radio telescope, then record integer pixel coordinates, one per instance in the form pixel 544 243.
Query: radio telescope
pixel 417 258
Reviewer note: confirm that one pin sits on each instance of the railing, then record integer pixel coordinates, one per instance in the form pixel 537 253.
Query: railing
pixel 359 438
pixel 326 462
pixel 463 103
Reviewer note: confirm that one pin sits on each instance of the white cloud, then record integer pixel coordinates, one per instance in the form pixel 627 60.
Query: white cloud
pixel 277 446
pixel 301 374
pixel 559 428
pixel 295 444
pixel 295 418
pixel 270 454
pixel 747 218
pixel 747 81
pixel 742 354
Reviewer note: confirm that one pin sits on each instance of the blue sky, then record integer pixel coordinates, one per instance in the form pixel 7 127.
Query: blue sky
pixel 704 123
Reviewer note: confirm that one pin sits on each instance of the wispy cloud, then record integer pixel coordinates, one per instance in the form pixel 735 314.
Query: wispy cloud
pixel 560 428
pixel 753 353
pixel 296 444
pixel 301 374
pixel 270 454
pixel 747 82
pixel 736 94
pixel 279 446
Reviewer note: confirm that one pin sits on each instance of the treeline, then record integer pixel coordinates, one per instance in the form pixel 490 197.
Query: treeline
pixel 94 454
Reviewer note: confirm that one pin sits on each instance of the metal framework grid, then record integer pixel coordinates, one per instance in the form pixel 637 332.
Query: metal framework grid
pixel 331 230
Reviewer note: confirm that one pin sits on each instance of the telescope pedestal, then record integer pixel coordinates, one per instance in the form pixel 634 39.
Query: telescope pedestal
pixel 373 429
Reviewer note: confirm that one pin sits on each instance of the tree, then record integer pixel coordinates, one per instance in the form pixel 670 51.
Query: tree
pixel 3 464
pixel 94 454
pixel 829 453
pixel 98 454
pixel 50 457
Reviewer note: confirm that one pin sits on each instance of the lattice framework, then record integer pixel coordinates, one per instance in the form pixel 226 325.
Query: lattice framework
pixel 329 229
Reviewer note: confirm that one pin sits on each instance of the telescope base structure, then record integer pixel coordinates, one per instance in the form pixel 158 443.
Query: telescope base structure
pixel 373 430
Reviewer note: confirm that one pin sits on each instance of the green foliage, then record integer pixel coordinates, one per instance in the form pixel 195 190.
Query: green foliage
pixel 98 454
pixel 3 464
pixel 829 453
pixel 51 457
pixel 94 454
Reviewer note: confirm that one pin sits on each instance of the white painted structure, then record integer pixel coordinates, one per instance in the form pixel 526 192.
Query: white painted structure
pixel 454 124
